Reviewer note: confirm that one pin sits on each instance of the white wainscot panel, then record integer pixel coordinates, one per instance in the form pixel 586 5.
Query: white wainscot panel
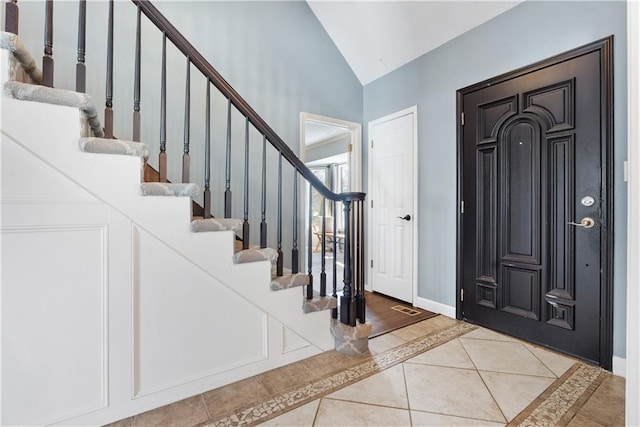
pixel 187 325
pixel 54 286
pixel 292 341
pixel 28 179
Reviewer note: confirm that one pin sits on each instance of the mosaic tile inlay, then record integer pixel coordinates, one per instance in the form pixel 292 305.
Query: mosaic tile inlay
pixel 554 406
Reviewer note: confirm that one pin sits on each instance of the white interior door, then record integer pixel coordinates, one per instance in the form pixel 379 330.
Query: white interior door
pixel 391 178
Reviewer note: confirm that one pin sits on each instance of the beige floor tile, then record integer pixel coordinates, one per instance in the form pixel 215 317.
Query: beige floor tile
pixel 427 419
pixel 450 391
pixel 340 413
pixel 436 323
pixel 425 327
pixel 384 342
pixel 582 421
pixel 127 422
pixel 606 405
pixel 299 417
pixel 504 356
pixel 225 400
pixel 286 377
pixel 514 392
pixel 329 362
pixel 488 334
pixel 557 363
pixel 386 388
pixel 450 354
pixel 185 413
pixel 409 333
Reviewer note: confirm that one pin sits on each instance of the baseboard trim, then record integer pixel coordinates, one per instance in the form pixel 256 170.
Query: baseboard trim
pixel 619 365
pixel 436 307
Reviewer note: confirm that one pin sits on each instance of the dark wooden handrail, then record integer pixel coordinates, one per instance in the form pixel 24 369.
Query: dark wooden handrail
pixel 187 49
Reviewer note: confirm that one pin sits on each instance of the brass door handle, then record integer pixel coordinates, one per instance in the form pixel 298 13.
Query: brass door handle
pixel 585 222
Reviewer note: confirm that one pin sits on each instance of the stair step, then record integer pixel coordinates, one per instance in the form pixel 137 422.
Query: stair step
pixel 14 44
pixel 253 255
pixel 168 189
pixel 351 340
pixel 114 146
pixel 47 95
pixel 288 280
pixel 318 303
pixel 216 224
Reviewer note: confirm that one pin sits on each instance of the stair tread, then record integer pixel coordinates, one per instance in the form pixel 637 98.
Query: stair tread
pixel 199 225
pixel 169 189
pixel 47 95
pixel 288 280
pixel 14 44
pixel 114 146
pixel 318 303
pixel 254 255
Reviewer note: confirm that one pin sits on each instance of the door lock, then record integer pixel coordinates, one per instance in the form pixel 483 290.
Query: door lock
pixel 585 222
pixel 407 217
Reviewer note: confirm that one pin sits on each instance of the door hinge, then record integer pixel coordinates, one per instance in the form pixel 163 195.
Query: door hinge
pixel 372 143
pixel 372 203
pixel 461 206
pixel 371 263
pixel 462 119
pixel 349 148
pixel 461 294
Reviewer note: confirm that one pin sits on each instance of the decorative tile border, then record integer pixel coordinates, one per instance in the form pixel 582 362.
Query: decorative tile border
pixel 561 400
pixel 294 398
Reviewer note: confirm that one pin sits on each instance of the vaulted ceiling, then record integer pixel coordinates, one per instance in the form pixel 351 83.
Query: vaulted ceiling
pixel 376 37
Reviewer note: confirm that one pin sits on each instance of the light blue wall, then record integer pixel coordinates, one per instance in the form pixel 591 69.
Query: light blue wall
pixel 276 55
pixel 528 33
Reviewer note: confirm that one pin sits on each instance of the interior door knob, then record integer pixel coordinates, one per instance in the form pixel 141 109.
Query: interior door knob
pixel 585 222
pixel 407 217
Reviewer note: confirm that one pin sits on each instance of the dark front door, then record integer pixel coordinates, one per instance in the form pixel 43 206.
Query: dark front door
pixel 534 236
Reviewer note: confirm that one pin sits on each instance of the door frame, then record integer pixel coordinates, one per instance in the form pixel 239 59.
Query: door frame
pixel 355 163
pixel 355 130
pixel 605 47
pixel 370 227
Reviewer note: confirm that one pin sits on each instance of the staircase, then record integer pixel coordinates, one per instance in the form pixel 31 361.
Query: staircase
pixel 116 298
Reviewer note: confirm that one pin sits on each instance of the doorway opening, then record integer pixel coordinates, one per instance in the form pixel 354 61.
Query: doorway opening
pixel 332 149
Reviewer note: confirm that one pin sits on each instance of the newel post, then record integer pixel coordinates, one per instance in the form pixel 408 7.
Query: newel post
pixel 347 300
pixel 352 301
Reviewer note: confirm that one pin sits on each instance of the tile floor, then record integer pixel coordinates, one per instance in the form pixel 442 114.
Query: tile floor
pixel 466 377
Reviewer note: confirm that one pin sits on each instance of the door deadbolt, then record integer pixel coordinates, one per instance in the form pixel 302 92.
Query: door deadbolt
pixel 585 222
pixel 587 201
